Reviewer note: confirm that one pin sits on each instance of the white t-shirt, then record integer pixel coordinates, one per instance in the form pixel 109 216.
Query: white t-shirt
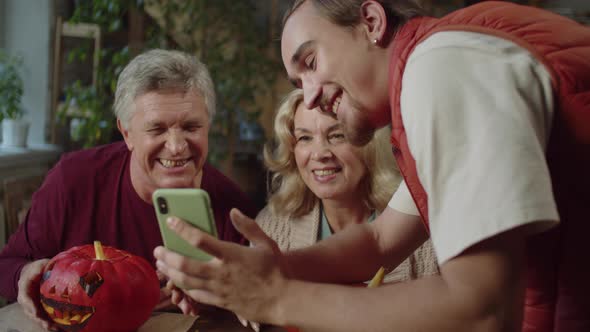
pixel 477 111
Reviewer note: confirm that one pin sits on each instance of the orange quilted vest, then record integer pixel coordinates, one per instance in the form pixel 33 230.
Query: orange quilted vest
pixel 558 261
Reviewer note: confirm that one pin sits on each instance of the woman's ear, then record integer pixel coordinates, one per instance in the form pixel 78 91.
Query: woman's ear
pixel 374 21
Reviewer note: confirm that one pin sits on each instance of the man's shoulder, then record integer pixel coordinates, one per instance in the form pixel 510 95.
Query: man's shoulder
pixel 95 157
pixel 463 44
pixel 92 162
pixel 215 180
pixel 223 190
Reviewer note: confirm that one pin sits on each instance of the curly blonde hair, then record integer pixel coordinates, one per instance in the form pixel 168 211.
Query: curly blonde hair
pixel 289 196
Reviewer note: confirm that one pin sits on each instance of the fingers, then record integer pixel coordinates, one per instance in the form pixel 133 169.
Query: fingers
pixel 28 292
pixel 164 305
pixel 27 304
pixel 243 321
pixel 248 227
pixel 30 275
pixel 254 325
pixel 165 299
pixel 188 306
pixel 188 274
pixel 162 278
pixel 177 296
pixel 180 276
pixel 194 267
pixel 206 297
pixel 170 259
pixel 170 285
pixel 197 238
pixel 165 293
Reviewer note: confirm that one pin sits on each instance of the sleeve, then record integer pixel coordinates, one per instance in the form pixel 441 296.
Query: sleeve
pixel 477 122
pixel 402 201
pixel 39 236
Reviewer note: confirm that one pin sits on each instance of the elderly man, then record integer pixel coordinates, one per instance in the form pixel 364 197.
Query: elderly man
pixel 164 104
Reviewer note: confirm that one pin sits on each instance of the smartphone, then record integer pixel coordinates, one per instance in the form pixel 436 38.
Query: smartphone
pixel 191 205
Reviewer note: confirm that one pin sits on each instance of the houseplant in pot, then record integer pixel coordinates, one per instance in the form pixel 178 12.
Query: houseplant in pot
pixel 14 127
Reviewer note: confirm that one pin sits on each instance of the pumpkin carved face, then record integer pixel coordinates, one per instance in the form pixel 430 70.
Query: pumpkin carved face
pixel 89 289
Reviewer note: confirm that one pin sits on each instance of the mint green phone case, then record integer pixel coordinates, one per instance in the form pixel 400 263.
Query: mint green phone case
pixel 191 205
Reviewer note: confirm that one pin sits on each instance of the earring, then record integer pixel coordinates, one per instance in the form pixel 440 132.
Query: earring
pixel 375 41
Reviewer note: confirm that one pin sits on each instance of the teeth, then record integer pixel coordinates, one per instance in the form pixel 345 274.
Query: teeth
pixel 62 321
pixel 335 105
pixel 66 317
pixel 86 316
pixel 173 163
pixel 48 309
pixel 324 172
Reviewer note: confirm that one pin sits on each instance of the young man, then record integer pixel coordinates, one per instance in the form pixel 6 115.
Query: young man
pixel 491 129
pixel 164 103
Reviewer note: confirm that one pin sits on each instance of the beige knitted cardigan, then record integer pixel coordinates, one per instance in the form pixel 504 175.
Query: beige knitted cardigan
pixel 294 233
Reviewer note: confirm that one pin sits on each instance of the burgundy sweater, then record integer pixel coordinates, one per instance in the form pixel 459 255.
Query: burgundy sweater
pixel 88 196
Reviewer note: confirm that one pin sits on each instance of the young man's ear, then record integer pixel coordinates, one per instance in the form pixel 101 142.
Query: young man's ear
pixel 125 133
pixel 374 21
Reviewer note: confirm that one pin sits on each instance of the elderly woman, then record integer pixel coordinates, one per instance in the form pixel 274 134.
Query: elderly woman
pixel 322 184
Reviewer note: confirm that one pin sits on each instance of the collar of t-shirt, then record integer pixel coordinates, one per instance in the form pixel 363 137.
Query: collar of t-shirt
pixel 325 230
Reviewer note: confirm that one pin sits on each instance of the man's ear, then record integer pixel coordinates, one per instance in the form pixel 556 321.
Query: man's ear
pixel 374 21
pixel 125 133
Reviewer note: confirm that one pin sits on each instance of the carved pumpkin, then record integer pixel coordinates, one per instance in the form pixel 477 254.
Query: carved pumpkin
pixel 88 289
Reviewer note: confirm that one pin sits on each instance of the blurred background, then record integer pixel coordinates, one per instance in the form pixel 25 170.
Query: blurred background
pixel 59 61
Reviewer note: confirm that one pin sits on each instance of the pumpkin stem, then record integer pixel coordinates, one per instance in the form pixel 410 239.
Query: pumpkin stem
pixel 98 251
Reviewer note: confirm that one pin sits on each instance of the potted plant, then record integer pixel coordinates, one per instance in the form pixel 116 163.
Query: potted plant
pixel 14 127
pixel 87 113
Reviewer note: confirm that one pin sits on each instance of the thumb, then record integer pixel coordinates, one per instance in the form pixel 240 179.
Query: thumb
pixel 248 227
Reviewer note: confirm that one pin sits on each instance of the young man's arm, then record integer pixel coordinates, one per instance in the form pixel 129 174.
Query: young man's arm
pixel 480 290
pixel 357 252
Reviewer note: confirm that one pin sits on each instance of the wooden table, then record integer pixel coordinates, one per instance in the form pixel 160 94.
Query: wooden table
pixel 13 319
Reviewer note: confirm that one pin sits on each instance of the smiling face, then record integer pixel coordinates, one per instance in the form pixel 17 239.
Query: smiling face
pixel 339 69
pixel 168 140
pixel 329 165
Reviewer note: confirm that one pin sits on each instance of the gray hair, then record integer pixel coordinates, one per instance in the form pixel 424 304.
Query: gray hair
pixel 158 70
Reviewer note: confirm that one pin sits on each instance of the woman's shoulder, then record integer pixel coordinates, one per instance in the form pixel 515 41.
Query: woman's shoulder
pixel 276 227
pixel 268 220
pixel 288 231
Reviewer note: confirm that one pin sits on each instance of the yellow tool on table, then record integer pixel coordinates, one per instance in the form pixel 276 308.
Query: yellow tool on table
pixel 377 279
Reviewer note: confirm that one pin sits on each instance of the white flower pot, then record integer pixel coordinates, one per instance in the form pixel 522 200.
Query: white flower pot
pixel 14 133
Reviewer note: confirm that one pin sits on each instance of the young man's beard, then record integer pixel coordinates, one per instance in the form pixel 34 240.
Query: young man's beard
pixel 358 130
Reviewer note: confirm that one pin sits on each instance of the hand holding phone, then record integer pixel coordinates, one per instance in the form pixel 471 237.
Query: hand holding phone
pixel 190 205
